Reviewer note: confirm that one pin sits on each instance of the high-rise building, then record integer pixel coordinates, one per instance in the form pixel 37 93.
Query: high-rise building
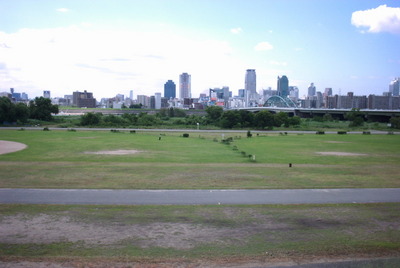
pixel 241 93
pixel 250 87
pixel 185 86
pixel 131 94
pixel 328 91
pixel 283 86
pixel 83 99
pixel 157 100
pixel 46 94
pixel 250 81
pixel 143 100
pixel 394 86
pixel 294 93
pixel 312 90
pixel 170 90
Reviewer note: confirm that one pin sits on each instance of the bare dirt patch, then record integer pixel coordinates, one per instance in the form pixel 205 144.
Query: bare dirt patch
pixel 340 154
pixel 46 229
pixel 11 146
pixel 115 152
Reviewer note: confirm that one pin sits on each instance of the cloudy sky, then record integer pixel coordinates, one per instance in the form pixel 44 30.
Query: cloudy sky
pixel 110 47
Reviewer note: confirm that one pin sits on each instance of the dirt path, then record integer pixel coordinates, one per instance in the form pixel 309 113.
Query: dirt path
pixel 11 146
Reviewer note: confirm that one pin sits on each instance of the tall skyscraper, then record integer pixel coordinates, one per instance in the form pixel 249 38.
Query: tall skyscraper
pixel 185 85
pixel 250 87
pixel 283 86
pixel 46 94
pixel 131 94
pixel 312 91
pixel 157 100
pixel 250 81
pixel 170 89
pixel 394 86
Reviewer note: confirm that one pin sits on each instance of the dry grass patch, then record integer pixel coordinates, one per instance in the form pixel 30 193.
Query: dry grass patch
pixel 115 152
pixel 340 154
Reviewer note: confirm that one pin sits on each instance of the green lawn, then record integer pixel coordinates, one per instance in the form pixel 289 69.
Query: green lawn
pixel 101 235
pixel 187 232
pixel 59 159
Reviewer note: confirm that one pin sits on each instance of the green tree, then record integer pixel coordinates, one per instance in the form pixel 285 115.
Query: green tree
pixel 132 118
pixel 145 119
pixel 395 122
pixel 91 119
pixel 22 112
pixel 246 118
pixel 280 119
pixel 135 106
pixel 230 119
pixel 327 117
pixel 294 121
pixel 355 117
pixel 214 114
pixel 264 119
pixel 7 110
pixel 41 109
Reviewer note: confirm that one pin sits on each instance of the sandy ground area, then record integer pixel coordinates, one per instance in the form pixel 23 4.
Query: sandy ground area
pixel 11 146
pixel 115 152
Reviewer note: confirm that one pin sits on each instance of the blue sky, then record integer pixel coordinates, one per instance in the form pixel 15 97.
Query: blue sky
pixel 111 47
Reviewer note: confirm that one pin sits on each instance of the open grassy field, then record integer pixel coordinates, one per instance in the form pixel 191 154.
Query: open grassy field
pixel 85 159
pixel 249 233
pixel 206 236
pixel 63 159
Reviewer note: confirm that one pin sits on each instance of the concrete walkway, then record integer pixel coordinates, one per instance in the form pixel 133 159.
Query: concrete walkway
pixel 197 197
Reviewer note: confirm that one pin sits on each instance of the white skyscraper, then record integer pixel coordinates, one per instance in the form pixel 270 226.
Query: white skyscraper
pixel 185 86
pixel 250 86
pixel 157 100
pixel 394 87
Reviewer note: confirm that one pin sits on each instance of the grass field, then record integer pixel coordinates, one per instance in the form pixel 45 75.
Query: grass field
pixel 261 232
pixel 206 236
pixel 61 159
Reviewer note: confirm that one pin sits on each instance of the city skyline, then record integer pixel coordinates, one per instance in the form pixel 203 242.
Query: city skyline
pixel 110 48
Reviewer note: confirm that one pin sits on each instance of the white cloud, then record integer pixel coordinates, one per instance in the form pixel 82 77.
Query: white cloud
pixel 279 63
pixel 237 30
pixel 112 61
pixel 380 19
pixel 63 10
pixel 263 46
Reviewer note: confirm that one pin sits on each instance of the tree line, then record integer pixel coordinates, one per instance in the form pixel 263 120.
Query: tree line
pixel 40 108
pixel 215 116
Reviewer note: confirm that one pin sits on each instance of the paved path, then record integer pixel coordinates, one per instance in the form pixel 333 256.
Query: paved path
pixel 194 197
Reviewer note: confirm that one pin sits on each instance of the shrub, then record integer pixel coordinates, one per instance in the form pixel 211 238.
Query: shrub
pixel 46 129
pixel 185 135
pixel 320 132
pixel 366 132
pixel 341 132
pixel 132 131
pixel 249 134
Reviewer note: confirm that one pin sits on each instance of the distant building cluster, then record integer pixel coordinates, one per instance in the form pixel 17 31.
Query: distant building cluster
pixel 284 95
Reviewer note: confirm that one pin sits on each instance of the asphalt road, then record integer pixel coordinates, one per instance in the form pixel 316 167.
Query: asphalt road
pixel 197 197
